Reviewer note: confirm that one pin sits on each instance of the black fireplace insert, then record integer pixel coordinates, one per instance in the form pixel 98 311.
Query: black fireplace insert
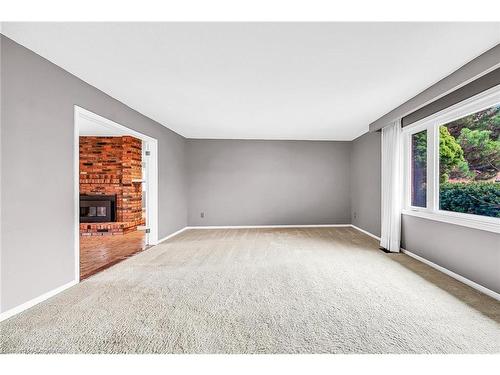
pixel 97 208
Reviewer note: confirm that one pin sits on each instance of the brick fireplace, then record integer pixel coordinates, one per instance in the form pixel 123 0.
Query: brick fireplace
pixel 110 185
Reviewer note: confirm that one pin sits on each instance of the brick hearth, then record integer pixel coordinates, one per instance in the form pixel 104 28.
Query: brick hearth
pixel 109 166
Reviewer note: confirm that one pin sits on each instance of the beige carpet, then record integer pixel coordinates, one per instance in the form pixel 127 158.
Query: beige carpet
pixel 318 290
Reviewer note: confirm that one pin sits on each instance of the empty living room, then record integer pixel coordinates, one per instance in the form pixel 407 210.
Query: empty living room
pixel 251 187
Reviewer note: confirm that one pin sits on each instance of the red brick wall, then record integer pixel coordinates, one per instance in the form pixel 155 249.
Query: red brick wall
pixel 108 165
pixel 131 170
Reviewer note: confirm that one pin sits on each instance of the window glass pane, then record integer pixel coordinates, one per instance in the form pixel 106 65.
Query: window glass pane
pixel 419 169
pixel 469 164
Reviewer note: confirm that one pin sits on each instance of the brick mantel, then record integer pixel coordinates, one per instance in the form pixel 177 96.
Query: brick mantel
pixel 109 166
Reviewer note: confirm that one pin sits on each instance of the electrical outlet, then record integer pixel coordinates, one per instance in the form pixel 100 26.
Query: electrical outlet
pixel 355 215
pixel 202 215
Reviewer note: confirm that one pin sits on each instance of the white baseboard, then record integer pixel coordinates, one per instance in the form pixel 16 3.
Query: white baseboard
pixel 7 314
pixel 365 232
pixel 446 271
pixel 456 276
pixel 170 235
pixel 16 310
pixel 268 226
pixel 26 305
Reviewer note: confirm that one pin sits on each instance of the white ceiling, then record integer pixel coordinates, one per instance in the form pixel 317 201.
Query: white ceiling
pixel 324 81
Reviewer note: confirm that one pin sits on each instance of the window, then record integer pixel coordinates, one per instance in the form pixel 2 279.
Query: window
pixel 419 169
pixel 452 164
pixel 469 164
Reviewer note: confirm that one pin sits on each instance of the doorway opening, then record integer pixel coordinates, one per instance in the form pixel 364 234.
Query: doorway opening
pixel 116 193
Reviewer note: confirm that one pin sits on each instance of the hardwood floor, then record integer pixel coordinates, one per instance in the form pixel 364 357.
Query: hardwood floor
pixel 100 252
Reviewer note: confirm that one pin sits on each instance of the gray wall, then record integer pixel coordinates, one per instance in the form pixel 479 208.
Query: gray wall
pixel 37 170
pixel 472 253
pixel 469 252
pixel 268 182
pixel 470 71
pixel 366 182
pixel 233 182
pixel 473 88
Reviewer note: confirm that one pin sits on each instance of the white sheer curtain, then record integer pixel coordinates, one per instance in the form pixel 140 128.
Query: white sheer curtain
pixel 391 187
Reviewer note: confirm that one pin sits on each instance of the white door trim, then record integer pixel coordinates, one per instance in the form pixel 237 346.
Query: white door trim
pixel 152 185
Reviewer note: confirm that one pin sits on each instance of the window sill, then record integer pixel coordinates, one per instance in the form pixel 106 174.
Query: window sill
pixel 490 224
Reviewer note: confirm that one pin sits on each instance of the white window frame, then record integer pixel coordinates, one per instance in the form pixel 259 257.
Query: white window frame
pixel 431 123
